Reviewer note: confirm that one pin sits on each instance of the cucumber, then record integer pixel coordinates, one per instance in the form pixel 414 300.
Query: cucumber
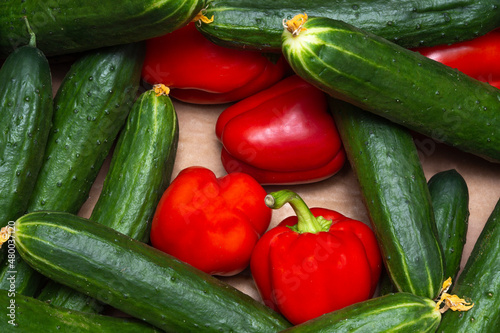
pixel 398 84
pixel 136 278
pixel 90 108
pixel 479 283
pixel 25 121
pixel 141 167
pixel 450 201
pixel 395 312
pixel 26 314
pixel 66 26
pixel 257 24
pixel 139 173
pixel 16 276
pixel 394 188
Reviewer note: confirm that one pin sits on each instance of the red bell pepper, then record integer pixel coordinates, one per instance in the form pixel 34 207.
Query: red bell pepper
pixel 281 135
pixel 199 71
pixel 314 263
pixel 211 223
pixel 478 58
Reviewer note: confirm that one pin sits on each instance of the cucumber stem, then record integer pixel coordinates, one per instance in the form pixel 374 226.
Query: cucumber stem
pixel 30 31
pixel 307 222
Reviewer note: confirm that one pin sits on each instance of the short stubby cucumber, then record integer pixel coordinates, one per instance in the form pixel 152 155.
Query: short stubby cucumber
pixel 90 108
pixel 450 202
pixel 257 24
pixel 136 278
pixel 139 173
pixel 26 314
pixel 67 26
pixel 385 161
pixel 401 85
pixel 25 121
pixel 394 312
pixel 479 284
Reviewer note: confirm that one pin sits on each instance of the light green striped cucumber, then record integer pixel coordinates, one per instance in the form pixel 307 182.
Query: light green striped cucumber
pixel 140 171
pixel 450 202
pixel 26 314
pixel 401 85
pixel 395 312
pixel 479 283
pixel 136 278
pixel 394 188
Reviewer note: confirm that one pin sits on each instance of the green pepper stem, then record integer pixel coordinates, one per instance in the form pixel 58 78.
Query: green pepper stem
pixel 306 221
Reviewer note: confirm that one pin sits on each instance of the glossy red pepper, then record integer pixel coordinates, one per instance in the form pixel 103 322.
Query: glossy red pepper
pixel 478 58
pixel 316 262
pixel 211 223
pixel 199 71
pixel 281 135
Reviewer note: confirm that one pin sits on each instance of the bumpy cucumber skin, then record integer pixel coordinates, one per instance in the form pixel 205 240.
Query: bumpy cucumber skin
pixel 64 26
pixel 141 167
pixel 139 173
pixel 25 121
pixel 398 84
pixel 31 315
pixel 136 278
pixel 450 201
pixel 257 24
pixel 394 188
pixel 90 108
pixel 479 283
pixel 395 312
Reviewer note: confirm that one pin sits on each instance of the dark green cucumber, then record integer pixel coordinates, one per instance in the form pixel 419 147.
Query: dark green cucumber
pixel 91 106
pixel 141 167
pixel 26 314
pixel 16 276
pixel 64 26
pixel 257 24
pixel 398 84
pixel 450 201
pixel 479 283
pixel 135 278
pixel 139 173
pixel 395 312
pixel 394 188
pixel 25 121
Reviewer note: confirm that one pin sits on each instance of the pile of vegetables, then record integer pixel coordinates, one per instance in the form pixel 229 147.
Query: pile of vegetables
pixel 308 90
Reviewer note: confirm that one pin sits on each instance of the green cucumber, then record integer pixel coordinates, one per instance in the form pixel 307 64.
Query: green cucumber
pixel 66 26
pixel 16 276
pixel 141 167
pixel 385 161
pixel 479 283
pixel 90 108
pixel 136 278
pixel 26 314
pixel 401 85
pixel 25 121
pixel 450 201
pixel 395 312
pixel 139 173
pixel 257 24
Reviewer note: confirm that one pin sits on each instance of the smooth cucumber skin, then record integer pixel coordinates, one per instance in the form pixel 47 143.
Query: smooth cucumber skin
pixel 25 121
pixel 141 167
pixel 90 108
pixel 398 84
pixel 257 24
pixel 66 26
pixel 450 202
pixel 479 283
pixel 27 314
pixel 395 312
pixel 139 173
pixel 394 188
pixel 135 278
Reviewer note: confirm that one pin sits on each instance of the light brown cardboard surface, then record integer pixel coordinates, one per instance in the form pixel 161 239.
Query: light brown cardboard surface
pixel 198 145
